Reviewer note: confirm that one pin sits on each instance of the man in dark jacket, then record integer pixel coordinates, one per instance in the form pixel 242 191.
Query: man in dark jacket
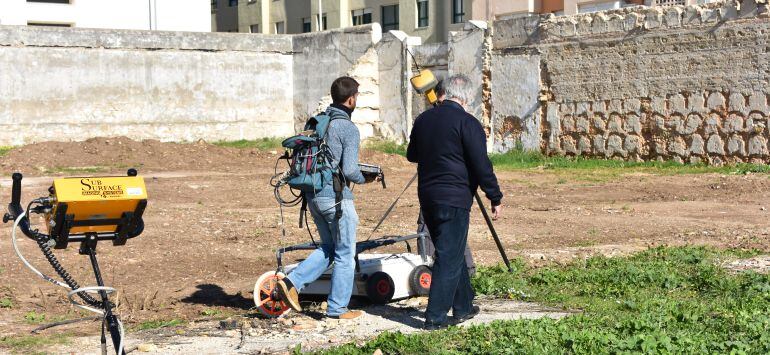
pixel 449 146
pixel 422 228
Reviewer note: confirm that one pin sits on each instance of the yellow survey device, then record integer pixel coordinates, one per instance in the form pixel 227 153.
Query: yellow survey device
pixel 425 83
pixel 99 205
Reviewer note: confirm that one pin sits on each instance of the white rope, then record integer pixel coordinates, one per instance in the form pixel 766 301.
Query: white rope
pixel 24 260
pixel 71 293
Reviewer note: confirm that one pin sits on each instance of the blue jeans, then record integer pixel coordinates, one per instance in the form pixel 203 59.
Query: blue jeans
pixel 451 284
pixel 339 248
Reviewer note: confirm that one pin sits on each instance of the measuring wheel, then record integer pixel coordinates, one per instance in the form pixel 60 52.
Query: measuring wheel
pixel 266 295
pixel 420 280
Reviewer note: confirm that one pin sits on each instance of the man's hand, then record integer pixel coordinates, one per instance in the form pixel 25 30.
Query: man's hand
pixel 496 212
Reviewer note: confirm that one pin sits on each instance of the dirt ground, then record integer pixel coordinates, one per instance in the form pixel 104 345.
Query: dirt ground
pixel 212 224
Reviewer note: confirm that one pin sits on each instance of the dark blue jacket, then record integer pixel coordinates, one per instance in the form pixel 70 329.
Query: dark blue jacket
pixel 450 149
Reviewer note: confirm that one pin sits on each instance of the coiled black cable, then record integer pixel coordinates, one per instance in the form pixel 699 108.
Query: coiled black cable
pixel 42 242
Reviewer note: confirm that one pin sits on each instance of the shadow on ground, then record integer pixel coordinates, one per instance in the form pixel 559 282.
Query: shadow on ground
pixel 214 295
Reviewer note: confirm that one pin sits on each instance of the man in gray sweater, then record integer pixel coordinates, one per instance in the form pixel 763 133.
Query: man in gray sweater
pixel 338 237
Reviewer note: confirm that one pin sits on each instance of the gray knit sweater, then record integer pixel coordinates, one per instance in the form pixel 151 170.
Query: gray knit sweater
pixel 343 140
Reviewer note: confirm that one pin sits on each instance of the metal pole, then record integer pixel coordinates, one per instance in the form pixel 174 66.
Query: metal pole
pixel 112 321
pixel 494 233
pixel 149 14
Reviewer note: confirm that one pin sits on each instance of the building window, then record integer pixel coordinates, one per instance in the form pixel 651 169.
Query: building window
pixel 362 17
pixel 254 28
pixel 422 13
pixel 213 5
pixel 325 24
pixel 458 14
pixel 45 24
pixel 233 3
pixel 280 27
pixel 51 1
pixel 390 17
pixel 306 25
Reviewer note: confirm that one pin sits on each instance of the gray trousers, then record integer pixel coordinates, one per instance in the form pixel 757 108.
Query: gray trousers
pixel 430 250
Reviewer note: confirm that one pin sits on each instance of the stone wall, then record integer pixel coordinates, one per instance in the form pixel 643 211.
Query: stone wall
pixel 321 57
pixel 71 84
pixel 688 84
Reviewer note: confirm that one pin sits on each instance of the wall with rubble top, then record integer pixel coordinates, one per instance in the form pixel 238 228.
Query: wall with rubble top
pixel 66 84
pixel 682 83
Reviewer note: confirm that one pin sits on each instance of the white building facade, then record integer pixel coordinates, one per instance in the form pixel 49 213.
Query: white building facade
pixel 162 15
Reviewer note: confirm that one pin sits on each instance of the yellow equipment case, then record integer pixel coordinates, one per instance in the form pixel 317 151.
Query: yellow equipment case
pixel 110 207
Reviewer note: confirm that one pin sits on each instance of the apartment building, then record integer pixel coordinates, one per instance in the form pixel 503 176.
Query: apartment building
pixel 430 20
pixel 165 15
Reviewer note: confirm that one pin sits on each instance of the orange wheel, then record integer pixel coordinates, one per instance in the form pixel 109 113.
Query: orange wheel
pixel 425 279
pixel 420 280
pixel 265 297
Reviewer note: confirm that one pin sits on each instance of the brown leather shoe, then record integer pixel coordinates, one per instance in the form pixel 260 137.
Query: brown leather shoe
pixel 289 295
pixel 348 315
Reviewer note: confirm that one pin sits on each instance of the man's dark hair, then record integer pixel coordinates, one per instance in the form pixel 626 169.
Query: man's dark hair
pixel 343 88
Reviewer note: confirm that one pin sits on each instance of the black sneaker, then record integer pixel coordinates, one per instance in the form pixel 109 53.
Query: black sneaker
pixel 429 326
pixel 474 311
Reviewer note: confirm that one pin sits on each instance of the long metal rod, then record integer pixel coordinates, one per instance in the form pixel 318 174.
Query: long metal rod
pixel 392 205
pixel 112 320
pixel 493 231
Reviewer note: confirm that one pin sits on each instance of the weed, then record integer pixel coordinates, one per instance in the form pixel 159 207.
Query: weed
pixel 662 300
pixel 209 312
pixel 584 243
pixel 262 144
pixel 76 170
pixel 33 317
pixel 25 344
pixel 4 150
pixel 6 302
pixel 626 208
pixel 155 324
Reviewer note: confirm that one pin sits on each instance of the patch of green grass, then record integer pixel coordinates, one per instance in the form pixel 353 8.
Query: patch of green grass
pixel 663 300
pixel 77 170
pixel 155 324
pixel 210 312
pixel 262 144
pixel 584 243
pixel 33 317
pixel 4 150
pixel 598 170
pixel 6 302
pixel 27 343
pixel 387 147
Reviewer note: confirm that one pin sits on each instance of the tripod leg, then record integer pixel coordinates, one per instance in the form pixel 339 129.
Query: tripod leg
pixel 112 321
pixel 493 231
